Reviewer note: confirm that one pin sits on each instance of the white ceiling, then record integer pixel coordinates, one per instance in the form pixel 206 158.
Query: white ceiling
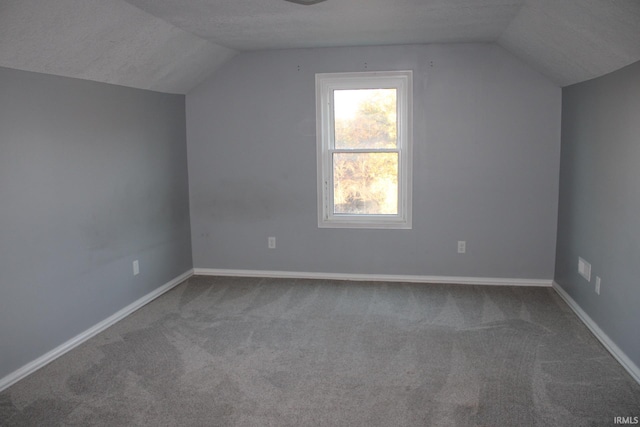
pixel 172 45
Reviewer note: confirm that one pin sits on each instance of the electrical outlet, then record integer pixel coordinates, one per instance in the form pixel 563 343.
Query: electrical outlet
pixel 584 269
pixel 271 242
pixel 598 282
pixel 462 246
pixel 136 268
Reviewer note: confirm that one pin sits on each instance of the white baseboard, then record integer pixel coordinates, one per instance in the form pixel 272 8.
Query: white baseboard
pixel 49 357
pixel 374 277
pixel 615 351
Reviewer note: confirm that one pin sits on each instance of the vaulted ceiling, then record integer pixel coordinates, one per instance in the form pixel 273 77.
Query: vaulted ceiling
pixel 172 45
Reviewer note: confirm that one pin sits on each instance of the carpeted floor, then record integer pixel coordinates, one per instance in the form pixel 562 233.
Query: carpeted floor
pixel 219 351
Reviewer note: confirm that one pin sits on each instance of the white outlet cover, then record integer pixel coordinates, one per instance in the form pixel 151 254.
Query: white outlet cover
pixel 136 268
pixel 598 282
pixel 271 241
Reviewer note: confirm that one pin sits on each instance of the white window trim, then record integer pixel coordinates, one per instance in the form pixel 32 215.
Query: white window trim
pixel 326 83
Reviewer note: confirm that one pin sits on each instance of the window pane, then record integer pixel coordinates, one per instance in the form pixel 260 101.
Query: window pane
pixel 365 183
pixel 365 118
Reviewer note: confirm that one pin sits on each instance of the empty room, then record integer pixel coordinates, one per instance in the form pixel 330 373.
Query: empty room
pixel 319 212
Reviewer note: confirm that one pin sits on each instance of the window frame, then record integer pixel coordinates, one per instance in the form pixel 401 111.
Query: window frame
pixel 326 83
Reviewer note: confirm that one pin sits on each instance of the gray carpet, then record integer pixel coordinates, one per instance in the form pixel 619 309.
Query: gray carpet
pixel 282 352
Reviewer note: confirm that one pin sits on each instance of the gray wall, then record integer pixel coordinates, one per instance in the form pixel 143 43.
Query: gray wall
pixel 486 159
pixel 599 209
pixel 92 176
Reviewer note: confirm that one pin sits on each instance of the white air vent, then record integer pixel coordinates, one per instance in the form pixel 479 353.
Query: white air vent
pixel 584 269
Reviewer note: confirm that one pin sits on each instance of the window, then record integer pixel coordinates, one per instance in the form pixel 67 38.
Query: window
pixel 364 149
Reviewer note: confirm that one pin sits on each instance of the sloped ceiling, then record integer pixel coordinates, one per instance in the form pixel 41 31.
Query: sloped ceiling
pixel 108 41
pixel 172 45
pixel 575 40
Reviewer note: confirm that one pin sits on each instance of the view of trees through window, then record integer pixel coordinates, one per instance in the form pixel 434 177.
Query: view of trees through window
pixel 365 157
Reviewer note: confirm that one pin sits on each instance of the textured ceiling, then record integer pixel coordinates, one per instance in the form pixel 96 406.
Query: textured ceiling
pixel 172 45
pixel 276 24
pixel 104 40
pixel 575 40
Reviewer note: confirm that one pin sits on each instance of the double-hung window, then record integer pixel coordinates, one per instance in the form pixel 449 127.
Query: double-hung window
pixel 364 149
